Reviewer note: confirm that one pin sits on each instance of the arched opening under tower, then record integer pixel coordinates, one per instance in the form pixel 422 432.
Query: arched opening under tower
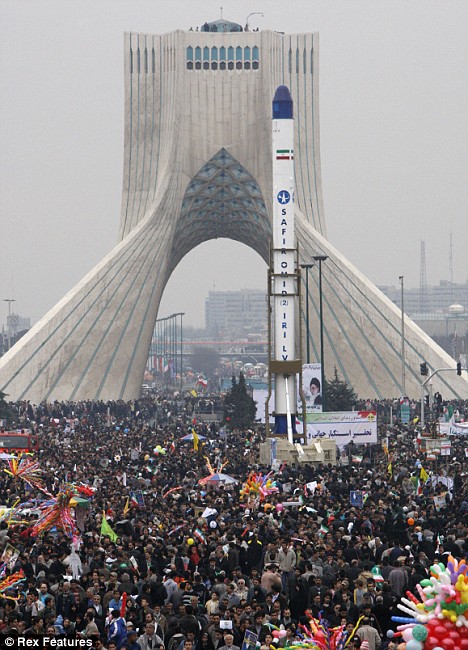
pixel 223 199
pixel 215 265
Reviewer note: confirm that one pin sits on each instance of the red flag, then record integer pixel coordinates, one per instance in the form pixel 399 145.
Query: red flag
pixel 123 609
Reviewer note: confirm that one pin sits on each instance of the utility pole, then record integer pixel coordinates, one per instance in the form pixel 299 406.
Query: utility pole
pixel 9 301
pixel 307 267
pixel 320 259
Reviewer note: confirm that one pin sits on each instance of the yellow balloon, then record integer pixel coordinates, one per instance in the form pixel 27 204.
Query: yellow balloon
pixel 190 541
pixel 147 456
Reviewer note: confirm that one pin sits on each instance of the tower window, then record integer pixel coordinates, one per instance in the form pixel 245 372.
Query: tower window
pixel 238 58
pixel 247 58
pixel 255 57
pixel 190 58
pixel 214 58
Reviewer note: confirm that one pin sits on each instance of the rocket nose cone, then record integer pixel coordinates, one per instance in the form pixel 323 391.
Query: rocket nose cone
pixel 282 104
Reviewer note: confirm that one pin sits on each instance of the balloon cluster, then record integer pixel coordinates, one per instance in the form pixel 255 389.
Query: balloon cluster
pixel 440 618
pixel 159 450
pixel 278 634
pixel 320 636
pixel 56 512
pixel 12 581
pixel 26 469
pixel 436 634
pixel 258 486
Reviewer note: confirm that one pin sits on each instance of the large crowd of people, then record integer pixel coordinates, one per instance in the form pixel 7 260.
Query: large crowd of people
pixel 181 565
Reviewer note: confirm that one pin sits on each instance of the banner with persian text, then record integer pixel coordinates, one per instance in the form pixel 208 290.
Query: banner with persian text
pixel 359 427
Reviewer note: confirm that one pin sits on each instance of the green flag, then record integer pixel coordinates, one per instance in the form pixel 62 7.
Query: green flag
pixel 106 530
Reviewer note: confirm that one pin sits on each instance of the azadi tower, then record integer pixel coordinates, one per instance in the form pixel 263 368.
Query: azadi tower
pixel 198 166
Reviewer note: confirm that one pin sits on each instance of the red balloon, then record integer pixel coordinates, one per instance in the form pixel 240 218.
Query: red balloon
pixel 449 644
pixel 440 632
pixel 432 623
pixel 464 644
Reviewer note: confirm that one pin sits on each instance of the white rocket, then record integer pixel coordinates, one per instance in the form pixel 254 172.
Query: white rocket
pixel 284 288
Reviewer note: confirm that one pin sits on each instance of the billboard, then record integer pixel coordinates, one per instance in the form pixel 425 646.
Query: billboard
pixel 260 396
pixel 343 426
pixel 311 387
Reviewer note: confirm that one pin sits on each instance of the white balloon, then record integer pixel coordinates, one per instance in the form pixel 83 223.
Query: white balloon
pixel 407 634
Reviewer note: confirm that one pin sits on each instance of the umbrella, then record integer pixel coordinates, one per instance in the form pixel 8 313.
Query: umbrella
pixel 189 437
pixel 221 479
pixel 79 501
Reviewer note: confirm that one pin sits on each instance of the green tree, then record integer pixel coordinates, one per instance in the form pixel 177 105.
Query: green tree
pixel 205 360
pixel 338 395
pixel 239 407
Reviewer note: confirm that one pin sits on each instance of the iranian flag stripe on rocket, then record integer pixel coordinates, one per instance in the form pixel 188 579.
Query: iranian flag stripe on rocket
pixel 285 154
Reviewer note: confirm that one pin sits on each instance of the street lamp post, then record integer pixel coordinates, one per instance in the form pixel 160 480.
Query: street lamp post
pixel 307 267
pixel 254 13
pixel 181 356
pixel 403 373
pixel 182 314
pixel 320 259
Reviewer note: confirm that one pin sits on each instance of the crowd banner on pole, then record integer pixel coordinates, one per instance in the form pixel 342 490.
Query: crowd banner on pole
pixel 359 427
pixel 454 428
pixel 311 387
pixel 356 498
pixel 250 640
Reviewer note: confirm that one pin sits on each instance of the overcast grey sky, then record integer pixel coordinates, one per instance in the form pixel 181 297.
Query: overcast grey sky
pixel 394 136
